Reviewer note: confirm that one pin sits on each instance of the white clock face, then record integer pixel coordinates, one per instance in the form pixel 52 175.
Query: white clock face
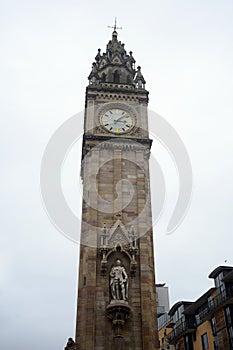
pixel 117 121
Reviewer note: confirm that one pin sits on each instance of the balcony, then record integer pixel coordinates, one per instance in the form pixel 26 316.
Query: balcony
pixel 220 300
pixel 183 328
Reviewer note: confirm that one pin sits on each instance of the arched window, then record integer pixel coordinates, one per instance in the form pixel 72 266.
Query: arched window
pixel 116 77
pixel 103 78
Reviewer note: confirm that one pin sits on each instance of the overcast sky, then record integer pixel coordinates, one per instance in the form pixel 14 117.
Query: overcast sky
pixel 47 47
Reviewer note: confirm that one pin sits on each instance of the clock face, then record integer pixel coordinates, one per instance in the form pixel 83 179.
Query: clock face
pixel 117 121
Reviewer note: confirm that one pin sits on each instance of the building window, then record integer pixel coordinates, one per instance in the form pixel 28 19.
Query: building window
pixel 216 343
pixel 178 315
pixel 103 78
pixel 116 77
pixel 204 340
pixel 213 323
pixel 198 319
pixel 218 280
pixel 228 316
pixel 210 302
pixel 231 335
pixel 188 342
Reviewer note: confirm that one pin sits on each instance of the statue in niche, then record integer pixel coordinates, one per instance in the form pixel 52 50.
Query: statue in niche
pixel 119 282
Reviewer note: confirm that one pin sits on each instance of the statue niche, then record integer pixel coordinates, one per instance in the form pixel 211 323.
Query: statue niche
pixel 118 282
pixel 118 311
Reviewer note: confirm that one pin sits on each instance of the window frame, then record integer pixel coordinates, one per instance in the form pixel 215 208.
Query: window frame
pixel 204 341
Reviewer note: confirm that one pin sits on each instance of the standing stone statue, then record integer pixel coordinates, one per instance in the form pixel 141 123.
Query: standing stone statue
pixel 119 282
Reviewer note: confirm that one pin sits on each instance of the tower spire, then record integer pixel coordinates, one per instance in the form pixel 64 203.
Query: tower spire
pixel 116 66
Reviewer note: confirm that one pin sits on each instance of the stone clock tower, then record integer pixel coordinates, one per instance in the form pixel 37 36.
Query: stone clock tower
pixel 116 290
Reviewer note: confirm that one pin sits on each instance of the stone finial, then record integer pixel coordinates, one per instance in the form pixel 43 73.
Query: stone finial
pixel 133 236
pixel 103 237
pixel 94 77
pixel 114 35
pixel 71 345
pixel 98 56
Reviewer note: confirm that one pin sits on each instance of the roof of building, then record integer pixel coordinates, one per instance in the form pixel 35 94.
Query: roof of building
pixel 189 306
pixel 199 302
pixel 220 269
pixel 160 284
pixel 177 305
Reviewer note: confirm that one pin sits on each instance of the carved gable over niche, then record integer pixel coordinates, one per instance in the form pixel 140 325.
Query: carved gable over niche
pixel 116 60
pixel 118 235
pixel 118 238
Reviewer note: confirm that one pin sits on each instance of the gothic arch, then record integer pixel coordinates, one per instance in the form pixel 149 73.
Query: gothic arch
pixel 116 77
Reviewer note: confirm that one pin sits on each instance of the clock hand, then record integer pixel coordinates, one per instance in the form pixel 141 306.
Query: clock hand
pixel 120 121
pixel 123 116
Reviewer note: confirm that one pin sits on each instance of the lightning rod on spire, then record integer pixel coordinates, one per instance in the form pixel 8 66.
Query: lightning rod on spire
pixel 115 25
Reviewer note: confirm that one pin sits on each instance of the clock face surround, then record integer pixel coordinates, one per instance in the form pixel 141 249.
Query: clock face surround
pixel 117 120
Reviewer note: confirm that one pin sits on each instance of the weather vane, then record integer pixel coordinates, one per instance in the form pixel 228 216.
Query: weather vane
pixel 115 25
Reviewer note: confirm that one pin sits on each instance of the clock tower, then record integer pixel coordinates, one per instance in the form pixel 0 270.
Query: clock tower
pixel 116 289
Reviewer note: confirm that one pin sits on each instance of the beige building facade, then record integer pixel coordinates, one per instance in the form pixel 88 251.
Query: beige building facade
pixel 206 323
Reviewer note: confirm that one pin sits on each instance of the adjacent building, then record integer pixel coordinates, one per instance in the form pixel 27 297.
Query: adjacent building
pixel 206 323
pixel 162 298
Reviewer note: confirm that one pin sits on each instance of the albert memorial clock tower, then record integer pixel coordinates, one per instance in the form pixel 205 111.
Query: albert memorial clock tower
pixel 116 289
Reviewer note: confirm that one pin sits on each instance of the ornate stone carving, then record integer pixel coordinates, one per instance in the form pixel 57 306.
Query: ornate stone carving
pixel 118 234
pixel 118 313
pixel 133 249
pixel 119 282
pixel 118 238
pixel 147 153
pixel 94 77
pixel 139 79
pixel 103 250
pixel 113 66
pixel 71 345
